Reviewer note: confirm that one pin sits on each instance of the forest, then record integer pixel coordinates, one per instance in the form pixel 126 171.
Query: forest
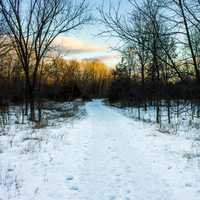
pixel 159 49
pixel 160 54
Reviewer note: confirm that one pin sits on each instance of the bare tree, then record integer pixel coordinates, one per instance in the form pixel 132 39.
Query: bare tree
pixel 140 46
pixel 33 26
pixel 161 44
pixel 183 15
pixel 4 45
pixel 144 28
pixel 183 8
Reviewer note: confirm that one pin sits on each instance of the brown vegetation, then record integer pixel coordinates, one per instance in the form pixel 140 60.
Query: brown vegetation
pixel 59 79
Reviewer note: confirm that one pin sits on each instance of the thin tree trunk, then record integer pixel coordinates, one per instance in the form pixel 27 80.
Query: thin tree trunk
pixel 32 103
pixel 190 42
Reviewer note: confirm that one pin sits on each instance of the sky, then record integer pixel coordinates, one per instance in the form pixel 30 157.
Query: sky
pixel 87 44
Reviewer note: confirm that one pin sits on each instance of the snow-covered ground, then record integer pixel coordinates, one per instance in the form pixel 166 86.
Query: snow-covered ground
pixel 103 156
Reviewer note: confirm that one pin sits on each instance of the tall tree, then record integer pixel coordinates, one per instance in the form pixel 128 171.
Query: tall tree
pixel 182 5
pixel 4 46
pixel 144 29
pixel 33 26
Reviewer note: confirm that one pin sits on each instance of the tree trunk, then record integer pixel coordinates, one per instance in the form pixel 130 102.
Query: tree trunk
pixel 197 74
pixel 142 73
pixel 26 98
pixel 32 103
pixel 30 96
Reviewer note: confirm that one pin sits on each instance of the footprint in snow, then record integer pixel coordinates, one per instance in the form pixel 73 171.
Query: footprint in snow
pixel 128 191
pixel 69 178
pixel 110 149
pixel 112 198
pixel 114 157
pixel 128 169
pixel 118 175
pixel 188 185
pixel 74 188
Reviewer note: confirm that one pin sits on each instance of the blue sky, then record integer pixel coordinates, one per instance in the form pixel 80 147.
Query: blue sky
pixel 85 43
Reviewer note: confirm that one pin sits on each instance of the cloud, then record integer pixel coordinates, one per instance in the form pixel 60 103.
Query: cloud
pixel 105 58
pixel 73 48
pixel 110 59
pixel 71 45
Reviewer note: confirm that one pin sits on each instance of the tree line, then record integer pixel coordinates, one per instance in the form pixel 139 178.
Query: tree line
pixel 58 79
pixel 31 27
pixel 160 49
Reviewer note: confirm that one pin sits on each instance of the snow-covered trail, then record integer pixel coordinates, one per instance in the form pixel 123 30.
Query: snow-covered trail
pixel 128 160
pixel 106 156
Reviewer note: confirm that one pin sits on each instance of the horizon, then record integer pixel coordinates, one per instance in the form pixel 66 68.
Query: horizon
pixel 87 44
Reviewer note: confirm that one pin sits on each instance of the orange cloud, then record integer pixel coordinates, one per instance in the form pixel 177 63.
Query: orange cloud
pixel 73 48
pixel 71 45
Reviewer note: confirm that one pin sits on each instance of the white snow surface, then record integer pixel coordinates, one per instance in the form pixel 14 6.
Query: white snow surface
pixel 105 156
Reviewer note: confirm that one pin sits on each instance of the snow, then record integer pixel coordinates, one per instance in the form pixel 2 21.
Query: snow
pixel 103 156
